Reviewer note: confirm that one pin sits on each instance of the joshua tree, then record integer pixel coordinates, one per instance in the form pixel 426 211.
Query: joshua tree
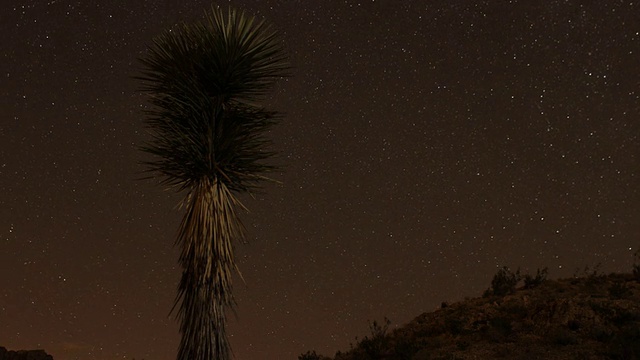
pixel 205 81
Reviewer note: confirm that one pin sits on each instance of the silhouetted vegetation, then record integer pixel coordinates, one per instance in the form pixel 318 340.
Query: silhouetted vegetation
pixel 206 82
pixel 375 344
pixel 619 290
pixel 531 282
pixel 311 355
pixel 504 282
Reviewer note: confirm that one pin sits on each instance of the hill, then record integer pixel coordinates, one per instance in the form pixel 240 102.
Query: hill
pixel 592 317
pixel 24 355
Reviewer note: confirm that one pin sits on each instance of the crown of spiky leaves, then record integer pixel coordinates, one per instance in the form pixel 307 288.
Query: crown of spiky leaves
pixel 205 80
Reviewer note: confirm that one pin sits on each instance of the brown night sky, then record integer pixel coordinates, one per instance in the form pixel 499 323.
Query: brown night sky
pixel 424 145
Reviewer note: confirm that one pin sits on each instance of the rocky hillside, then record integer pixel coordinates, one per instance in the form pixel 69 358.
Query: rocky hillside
pixel 24 355
pixel 586 318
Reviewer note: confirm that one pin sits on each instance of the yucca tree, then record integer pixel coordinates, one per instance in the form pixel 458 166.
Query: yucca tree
pixel 205 81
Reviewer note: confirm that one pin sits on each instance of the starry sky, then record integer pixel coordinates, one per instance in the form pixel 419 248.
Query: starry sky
pixel 424 145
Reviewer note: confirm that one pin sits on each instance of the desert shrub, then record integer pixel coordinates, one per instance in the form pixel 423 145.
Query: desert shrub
pixel 310 355
pixel 589 272
pixel 619 290
pixel 504 282
pixel 487 293
pixel 594 277
pixel 375 344
pixel 531 282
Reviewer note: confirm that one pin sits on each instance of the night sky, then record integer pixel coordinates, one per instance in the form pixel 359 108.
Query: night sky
pixel 424 145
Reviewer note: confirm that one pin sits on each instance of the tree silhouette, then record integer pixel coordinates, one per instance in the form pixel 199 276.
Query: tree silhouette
pixel 206 80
